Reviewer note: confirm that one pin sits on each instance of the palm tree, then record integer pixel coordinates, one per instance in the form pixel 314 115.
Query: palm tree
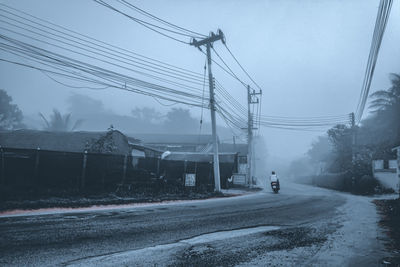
pixel 387 99
pixel 385 108
pixel 60 123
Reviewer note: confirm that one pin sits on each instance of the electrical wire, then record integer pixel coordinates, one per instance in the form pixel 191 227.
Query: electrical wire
pixel 84 67
pixel 240 65
pixel 97 52
pixel 228 107
pixel 380 26
pixel 148 25
pixel 141 11
pixel 93 41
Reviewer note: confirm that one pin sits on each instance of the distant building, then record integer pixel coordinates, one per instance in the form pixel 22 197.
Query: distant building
pixel 241 150
pixel 239 177
pixel 181 155
pixel 197 166
pixel 397 149
pixel 386 172
pixel 177 142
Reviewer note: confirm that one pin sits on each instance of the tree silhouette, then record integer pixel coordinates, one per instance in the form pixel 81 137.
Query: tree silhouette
pixel 146 114
pixel 387 99
pixel 10 114
pixel 59 122
pixel 385 119
pixel 179 120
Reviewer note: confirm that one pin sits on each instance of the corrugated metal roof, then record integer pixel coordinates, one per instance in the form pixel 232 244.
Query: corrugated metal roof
pixel 200 157
pixel 152 138
pixel 235 148
pixel 58 141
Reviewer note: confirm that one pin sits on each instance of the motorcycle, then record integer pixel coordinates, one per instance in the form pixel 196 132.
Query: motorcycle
pixel 275 187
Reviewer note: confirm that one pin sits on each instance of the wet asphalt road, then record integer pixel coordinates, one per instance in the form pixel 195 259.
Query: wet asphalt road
pixel 60 239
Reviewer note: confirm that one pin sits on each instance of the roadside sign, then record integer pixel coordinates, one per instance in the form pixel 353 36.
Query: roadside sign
pixel 190 179
pixel 239 179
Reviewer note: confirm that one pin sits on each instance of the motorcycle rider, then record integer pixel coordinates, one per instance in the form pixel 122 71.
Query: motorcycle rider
pixel 274 178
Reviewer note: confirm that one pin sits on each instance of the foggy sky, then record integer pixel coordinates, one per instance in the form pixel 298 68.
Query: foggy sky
pixel 308 56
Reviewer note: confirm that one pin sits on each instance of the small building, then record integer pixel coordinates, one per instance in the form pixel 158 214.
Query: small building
pixel 164 156
pixel 397 149
pixel 197 167
pixel 386 172
pixel 240 176
pixel 241 150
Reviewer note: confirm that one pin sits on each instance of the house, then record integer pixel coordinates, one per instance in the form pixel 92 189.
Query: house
pixel 63 141
pixel 176 166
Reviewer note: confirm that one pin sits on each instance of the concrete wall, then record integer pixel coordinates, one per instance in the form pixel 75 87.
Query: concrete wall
pixel 388 176
pixel 388 179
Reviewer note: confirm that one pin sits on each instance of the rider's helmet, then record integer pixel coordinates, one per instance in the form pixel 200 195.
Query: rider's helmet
pixel 273 172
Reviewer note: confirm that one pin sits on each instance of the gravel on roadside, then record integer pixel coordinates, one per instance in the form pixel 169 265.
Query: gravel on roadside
pixel 390 220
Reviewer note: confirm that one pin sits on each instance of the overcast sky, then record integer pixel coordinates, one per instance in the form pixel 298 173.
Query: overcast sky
pixel 308 56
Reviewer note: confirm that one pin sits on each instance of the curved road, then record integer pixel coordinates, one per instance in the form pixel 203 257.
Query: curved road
pixel 288 228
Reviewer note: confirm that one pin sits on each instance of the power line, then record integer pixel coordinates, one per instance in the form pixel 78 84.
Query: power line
pixel 99 52
pixel 98 72
pixel 126 88
pixel 240 65
pixel 148 25
pixel 93 41
pixel 230 72
pixel 379 30
pixel 72 86
pixel 106 61
pixel 159 19
pixel 232 111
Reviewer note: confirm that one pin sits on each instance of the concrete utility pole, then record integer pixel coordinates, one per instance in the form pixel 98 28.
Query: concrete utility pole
pixel 251 99
pixel 208 43
pixel 353 141
pixel 249 139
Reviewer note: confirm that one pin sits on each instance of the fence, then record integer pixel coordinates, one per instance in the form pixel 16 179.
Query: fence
pixel 28 168
pixel 30 171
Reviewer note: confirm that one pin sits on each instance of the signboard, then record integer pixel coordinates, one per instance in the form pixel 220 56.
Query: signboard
pixel 190 179
pixel 239 179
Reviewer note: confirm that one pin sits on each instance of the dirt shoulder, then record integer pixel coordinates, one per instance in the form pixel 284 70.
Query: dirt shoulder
pixel 389 210
pixel 114 199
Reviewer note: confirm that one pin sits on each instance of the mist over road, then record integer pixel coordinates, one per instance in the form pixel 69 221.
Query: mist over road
pixel 300 225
